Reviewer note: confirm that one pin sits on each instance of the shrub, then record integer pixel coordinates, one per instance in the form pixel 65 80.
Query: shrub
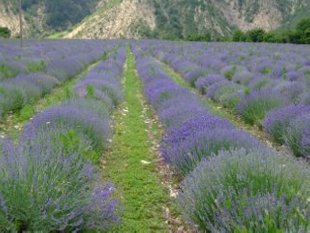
pixel 7 72
pixel 215 87
pixel 41 190
pixel 83 121
pixel 14 98
pixel 185 156
pixel 203 83
pixel 229 72
pixel 297 135
pixel 255 35
pixel 303 31
pixel 225 92
pixel 277 121
pixel 242 191
pixel 99 88
pixel 39 66
pixel 101 108
pixel 260 83
pixel 238 36
pixel 252 108
pixel 231 100
pixel 291 90
pixel 176 111
pixel 5 32
pixel 243 77
pixel 192 75
pixel 175 137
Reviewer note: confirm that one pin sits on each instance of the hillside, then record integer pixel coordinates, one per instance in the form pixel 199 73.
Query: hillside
pixel 42 17
pixel 152 18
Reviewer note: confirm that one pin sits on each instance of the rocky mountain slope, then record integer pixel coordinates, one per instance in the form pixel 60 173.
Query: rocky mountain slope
pixel 106 19
pixel 42 17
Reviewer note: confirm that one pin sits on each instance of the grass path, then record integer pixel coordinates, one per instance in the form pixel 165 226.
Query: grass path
pixel 219 110
pixel 131 163
pixel 13 124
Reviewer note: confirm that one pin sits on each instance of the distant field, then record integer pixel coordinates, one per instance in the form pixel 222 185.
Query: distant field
pixel 154 136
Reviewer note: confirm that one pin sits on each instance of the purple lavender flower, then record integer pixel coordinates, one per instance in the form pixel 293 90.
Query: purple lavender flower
pixel 246 190
pixel 291 91
pixel 186 155
pixel 203 83
pixel 297 135
pixel 294 75
pixel 253 107
pixel 70 117
pixel 277 121
pixel 103 208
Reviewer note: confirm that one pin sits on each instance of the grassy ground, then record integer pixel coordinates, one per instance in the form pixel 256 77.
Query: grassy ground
pixel 219 110
pixel 14 122
pixel 130 163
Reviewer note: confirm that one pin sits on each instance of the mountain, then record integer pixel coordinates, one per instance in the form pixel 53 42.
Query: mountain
pixel 42 17
pixel 151 18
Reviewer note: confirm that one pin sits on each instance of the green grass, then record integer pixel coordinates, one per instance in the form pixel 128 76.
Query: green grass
pixel 143 197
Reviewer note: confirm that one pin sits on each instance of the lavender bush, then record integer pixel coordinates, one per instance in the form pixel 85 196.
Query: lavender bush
pixel 242 191
pixel 297 135
pixel 277 121
pixel 41 190
pixel 203 83
pixel 254 107
pixel 185 156
pixel 96 129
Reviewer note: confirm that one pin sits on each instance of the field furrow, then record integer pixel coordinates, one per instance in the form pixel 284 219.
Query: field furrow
pixel 131 164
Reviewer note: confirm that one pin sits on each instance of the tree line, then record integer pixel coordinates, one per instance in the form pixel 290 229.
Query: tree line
pixel 300 35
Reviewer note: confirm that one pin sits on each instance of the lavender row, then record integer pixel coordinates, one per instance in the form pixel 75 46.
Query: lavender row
pixel 263 84
pixel 61 62
pixel 48 182
pixel 231 182
pixel 47 56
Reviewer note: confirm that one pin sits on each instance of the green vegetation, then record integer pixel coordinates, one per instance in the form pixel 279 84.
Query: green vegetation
pixel 60 14
pixel 5 32
pixel 39 66
pixel 300 35
pixel 7 71
pixel 130 164
pixel 179 20
pixel 64 13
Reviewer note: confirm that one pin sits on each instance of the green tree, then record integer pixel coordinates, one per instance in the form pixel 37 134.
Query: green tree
pixel 239 35
pixel 303 31
pixel 199 37
pixel 275 37
pixel 5 32
pixel 255 35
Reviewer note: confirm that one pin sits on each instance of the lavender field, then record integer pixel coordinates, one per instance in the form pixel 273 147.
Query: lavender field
pixel 154 136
